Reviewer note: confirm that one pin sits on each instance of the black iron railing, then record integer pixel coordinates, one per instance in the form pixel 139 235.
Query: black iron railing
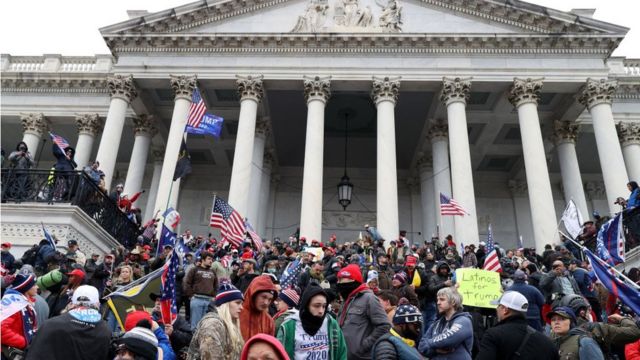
pixel 69 187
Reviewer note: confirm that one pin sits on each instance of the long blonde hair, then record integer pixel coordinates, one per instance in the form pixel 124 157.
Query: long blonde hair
pixel 233 327
pixel 119 280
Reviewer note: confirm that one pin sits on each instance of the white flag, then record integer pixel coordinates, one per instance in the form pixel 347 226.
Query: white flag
pixel 572 219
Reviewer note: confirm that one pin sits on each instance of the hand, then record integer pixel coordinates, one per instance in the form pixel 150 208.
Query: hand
pixel 168 329
pixel 154 325
pixel 448 283
pixel 413 287
pixel 615 318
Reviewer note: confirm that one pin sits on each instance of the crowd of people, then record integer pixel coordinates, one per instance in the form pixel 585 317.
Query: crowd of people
pixel 300 299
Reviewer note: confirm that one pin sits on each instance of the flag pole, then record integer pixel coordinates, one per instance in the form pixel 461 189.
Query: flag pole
pixel 603 262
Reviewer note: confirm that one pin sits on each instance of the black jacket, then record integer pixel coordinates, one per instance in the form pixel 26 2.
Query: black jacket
pixel 504 339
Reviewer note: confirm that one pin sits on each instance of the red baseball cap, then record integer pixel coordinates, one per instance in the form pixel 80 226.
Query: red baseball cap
pixel 411 260
pixel 6 244
pixel 352 272
pixel 76 272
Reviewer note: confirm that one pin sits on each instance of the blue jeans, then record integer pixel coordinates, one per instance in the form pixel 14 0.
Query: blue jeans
pixel 112 323
pixel 198 307
pixel 428 315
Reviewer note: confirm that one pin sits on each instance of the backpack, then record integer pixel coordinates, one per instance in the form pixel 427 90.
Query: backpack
pixel 595 332
pixel 404 351
pixel 29 256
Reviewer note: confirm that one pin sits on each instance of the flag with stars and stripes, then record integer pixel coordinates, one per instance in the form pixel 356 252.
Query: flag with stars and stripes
pixel 255 238
pixel 448 206
pixel 60 141
pixel 228 220
pixel 196 110
pixel 491 261
pixel 168 298
pixel 290 274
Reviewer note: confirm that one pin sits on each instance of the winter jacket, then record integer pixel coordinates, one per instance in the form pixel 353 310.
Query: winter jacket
pixel 211 340
pixel 18 161
pixel 406 292
pixel 634 199
pixel 364 323
pixel 390 347
pixel 384 277
pixel 279 318
pixel 78 334
pixel 99 278
pixel 577 345
pixel 337 345
pixel 611 335
pixel 535 299
pixel 252 320
pixel 62 163
pixel 7 260
pixel 420 280
pixel 632 351
pixel 436 282
pixel 584 282
pixel 164 344
pixel 504 339
pixel 469 260
pixel 454 335
pixel 44 253
pixel 550 284
pixel 12 329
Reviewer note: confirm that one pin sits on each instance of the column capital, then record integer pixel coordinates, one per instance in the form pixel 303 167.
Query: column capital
pixel 565 131
pixel 122 87
pixel 35 123
pixel 518 188
pixel 524 91
pixel 455 90
pixel 183 86
pixel 438 130
pixel 424 162
pixel 385 89
pixel 597 92
pixel 250 87
pixel 158 153
pixel 144 125
pixel 317 88
pixel 263 128
pixel 629 133
pixel 89 124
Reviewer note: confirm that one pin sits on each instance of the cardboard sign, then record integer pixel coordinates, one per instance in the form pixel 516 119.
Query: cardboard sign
pixel 478 287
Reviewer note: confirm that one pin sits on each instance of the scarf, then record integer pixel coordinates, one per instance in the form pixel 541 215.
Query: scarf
pixel 345 307
pixel 404 340
pixel 310 323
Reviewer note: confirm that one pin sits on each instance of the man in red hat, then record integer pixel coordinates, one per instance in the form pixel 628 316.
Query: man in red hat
pixel 362 318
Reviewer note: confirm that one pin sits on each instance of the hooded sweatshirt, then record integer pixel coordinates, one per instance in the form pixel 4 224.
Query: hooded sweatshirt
pixel 275 344
pixel 252 320
pixel 454 336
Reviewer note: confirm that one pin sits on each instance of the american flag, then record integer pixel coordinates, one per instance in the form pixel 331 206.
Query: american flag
pixel 290 274
pixel 491 261
pixel 449 206
pixel 196 110
pixel 229 221
pixel 257 241
pixel 168 299
pixel 226 261
pixel 60 141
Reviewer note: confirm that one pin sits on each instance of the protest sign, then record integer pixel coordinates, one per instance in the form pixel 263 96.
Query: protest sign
pixel 478 287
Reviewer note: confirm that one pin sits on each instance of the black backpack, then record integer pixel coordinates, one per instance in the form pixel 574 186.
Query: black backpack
pixel 29 256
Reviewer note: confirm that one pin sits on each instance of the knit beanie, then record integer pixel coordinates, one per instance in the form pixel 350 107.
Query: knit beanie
pixel 290 296
pixel 402 277
pixel 227 292
pixel 141 341
pixel 23 282
pixel 406 314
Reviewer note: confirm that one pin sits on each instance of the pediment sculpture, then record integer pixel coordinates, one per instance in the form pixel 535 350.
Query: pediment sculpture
pixel 349 16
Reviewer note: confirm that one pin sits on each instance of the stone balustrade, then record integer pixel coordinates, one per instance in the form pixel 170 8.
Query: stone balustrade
pixel 632 67
pixel 57 63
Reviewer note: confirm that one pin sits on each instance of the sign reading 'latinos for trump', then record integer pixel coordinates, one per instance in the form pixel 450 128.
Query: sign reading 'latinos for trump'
pixel 478 287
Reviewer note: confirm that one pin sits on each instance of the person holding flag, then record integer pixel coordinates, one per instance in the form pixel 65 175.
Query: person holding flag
pixel 64 154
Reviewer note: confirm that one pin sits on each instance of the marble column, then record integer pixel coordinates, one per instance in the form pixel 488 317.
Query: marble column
pixel 317 92
pixel 597 96
pixel 158 156
pixel 427 193
pixel 122 92
pixel 629 134
pixel 385 95
pixel 257 172
pixel 144 130
pixel 439 134
pixel 89 125
pixel 183 87
pixel 524 96
pixel 455 93
pixel 521 210
pixel 250 92
pixel 565 134
pixel 265 192
pixel 34 125
pixel 416 214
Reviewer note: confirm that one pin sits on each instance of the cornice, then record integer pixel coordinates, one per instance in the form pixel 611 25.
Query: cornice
pixel 357 43
pixel 58 85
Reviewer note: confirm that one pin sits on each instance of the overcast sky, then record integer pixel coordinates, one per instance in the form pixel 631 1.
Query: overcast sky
pixel 70 27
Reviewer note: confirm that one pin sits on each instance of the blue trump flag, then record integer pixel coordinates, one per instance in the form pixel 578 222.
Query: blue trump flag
pixel 210 125
pixel 167 237
pixel 610 245
pixel 628 294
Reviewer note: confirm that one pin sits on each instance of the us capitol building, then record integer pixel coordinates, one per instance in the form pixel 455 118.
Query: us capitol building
pixel 510 108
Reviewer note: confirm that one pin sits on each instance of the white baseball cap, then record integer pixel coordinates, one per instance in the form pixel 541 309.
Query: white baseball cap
pixel 85 294
pixel 512 300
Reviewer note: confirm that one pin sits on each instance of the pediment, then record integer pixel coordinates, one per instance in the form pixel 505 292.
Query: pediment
pixel 361 16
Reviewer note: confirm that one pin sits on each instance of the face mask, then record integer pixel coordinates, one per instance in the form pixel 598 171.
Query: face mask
pixel 345 289
pixel 271 271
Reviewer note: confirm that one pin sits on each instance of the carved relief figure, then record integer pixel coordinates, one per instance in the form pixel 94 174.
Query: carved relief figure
pixel 391 17
pixel 313 18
